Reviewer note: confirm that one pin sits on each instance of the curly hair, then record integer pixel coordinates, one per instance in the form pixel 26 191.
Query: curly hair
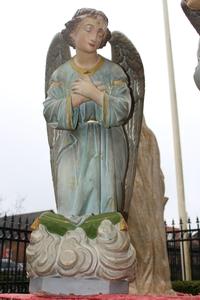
pixel 77 18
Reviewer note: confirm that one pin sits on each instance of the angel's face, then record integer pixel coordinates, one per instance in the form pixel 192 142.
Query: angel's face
pixel 89 34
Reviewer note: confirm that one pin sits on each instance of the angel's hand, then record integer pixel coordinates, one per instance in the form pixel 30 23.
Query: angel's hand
pixel 193 4
pixel 100 86
pixel 77 99
pixel 85 87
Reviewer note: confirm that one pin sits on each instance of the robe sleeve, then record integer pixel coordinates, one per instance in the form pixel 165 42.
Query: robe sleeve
pixel 116 102
pixel 58 110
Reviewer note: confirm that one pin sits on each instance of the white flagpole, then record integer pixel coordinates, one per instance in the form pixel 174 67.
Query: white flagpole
pixel 186 270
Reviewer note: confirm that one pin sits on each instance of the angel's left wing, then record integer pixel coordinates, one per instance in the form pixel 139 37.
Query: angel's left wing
pixel 125 54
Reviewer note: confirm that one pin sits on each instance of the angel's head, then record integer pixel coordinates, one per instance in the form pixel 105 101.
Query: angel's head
pixel 87 29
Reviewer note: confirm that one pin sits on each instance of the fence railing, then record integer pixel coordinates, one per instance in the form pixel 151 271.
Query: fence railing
pixel 14 238
pixel 176 236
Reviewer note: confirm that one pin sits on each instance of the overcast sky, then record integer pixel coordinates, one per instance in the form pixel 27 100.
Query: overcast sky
pixel 27 28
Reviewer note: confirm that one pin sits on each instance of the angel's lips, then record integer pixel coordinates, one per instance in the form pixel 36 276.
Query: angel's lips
pixel 91 44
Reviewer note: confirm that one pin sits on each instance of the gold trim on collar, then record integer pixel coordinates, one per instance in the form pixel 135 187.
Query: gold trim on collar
pixel 84 71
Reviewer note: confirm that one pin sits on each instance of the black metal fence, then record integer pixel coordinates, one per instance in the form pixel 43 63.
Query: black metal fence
pixel 14 238
pixel 182 240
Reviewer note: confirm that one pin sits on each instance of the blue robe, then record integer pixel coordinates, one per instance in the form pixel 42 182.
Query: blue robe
pixel 90 155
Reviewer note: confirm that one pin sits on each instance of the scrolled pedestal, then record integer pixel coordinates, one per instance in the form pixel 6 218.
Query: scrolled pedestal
pixel 93 257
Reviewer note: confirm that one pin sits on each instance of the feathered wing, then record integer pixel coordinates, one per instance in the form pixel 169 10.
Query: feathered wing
pixel 192 15
pixel 58 53
pixel 125 54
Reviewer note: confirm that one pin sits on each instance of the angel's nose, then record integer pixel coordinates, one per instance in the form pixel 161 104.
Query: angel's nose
pixel 94 37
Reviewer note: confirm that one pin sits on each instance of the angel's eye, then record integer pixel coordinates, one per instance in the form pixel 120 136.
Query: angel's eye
pixel 100 33
pixel 88 28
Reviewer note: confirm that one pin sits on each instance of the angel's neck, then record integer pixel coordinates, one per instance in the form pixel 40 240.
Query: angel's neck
pixel 86 60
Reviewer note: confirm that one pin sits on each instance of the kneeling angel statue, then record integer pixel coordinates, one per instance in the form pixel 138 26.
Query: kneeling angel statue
pixel 93 110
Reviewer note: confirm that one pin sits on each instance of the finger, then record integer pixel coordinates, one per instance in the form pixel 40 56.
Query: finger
pixel 80 79
pixel 97 83
pixel 77 80
pixel 77 92
pixel 86 78
pixel 75 88
pixel 75 85
pixel 101 87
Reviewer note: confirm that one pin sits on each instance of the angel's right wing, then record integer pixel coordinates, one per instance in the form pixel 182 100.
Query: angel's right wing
pixel 125 54
pixel 58 53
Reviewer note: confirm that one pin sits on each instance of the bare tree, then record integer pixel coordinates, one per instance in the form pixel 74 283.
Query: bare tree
pixel 16 208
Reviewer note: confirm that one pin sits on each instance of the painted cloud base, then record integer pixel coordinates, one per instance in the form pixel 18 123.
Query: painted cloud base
pixel 109 256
